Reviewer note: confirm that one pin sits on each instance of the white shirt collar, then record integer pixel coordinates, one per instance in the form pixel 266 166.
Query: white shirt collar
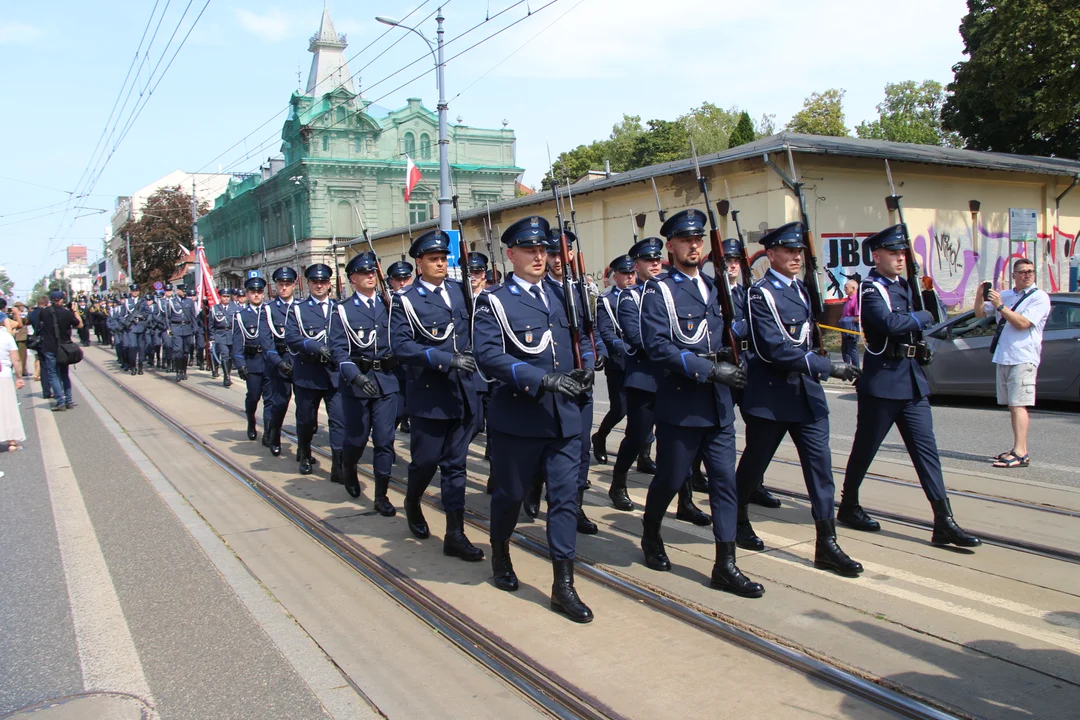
pixel 526 285
pixel 782 278
pixel 429 286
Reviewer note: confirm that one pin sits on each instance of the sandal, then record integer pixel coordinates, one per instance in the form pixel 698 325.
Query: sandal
pixel 1003 457
pixel 1016 461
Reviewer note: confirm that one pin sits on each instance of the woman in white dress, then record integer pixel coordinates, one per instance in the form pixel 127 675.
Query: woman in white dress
pixel 11 425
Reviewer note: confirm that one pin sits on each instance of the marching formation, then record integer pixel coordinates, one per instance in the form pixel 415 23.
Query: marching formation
pixel 443 360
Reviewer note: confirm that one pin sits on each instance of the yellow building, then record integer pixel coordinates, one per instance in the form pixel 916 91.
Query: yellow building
pixel 845 189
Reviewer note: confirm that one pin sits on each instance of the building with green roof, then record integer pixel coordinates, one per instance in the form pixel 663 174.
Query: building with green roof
pixel 342 167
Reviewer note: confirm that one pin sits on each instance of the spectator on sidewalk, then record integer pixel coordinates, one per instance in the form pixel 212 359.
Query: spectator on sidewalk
pixel 11 426
pixel 21 334
pixel 849 320
pixel 56 323
pixel 1017 346
pixel 40 370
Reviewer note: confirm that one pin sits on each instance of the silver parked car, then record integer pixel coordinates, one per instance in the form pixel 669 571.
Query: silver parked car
pixel 962 363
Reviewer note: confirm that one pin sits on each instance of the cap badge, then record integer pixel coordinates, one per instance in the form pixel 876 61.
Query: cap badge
pixel 534 221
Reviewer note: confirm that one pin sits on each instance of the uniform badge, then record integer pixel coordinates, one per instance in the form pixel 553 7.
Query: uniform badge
pixel 534 222
pixel 778 284
pixel 793 329
pixel 514 289
pixel 690 325
pixel 421 291
pixel 528 336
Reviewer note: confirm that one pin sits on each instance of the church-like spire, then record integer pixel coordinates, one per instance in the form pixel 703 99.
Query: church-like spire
pixel 329 70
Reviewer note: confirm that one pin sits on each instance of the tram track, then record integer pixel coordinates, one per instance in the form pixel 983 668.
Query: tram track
pixel 888 696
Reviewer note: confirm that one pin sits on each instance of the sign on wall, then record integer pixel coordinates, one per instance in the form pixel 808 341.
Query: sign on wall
pixel 1023 225
pixel 844 256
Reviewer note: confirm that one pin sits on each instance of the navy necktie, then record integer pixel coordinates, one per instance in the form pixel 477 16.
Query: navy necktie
pixel 536 293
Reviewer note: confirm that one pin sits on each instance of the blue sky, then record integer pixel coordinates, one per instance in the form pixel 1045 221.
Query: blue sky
pixel 564 75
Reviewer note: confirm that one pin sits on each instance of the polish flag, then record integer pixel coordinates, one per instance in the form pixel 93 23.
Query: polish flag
pixel 412 177
pixel 206 291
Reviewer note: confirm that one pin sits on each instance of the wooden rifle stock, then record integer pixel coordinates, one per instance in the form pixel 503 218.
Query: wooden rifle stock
pixel 568 287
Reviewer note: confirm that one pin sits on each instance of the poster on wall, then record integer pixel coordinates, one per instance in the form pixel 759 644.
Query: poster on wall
pixel 845 256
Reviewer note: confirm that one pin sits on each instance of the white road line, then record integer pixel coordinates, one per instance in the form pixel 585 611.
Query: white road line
pixel 107 653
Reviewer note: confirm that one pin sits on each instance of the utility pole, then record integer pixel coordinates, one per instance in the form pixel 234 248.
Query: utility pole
pixel 444 140
pixel 127 239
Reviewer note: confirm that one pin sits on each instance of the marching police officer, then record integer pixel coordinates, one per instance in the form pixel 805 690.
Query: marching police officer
pixel 784 396
pixel 682 330
pixel 893 390
pixel 277 313
pixel 359 341
pixel 555 282
pixel 116 332
pixel 400 275
pixel 165 354
pixel 180 327
pixel 315 377
pixel 607 326
pixel 221 337
pixel 254 353
pixel 523 342
pixel 132 329
pixel 478 265
pixel 429 332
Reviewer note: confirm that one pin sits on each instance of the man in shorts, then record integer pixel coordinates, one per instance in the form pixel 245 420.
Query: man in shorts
pixel 1021 315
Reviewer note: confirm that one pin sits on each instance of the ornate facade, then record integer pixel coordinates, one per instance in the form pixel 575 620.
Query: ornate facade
pixel 343 168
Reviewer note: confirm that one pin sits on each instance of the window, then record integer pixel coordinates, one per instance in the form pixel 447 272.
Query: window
pixel 418 212
pixel 410 144
pixel 339 115
pixel 326 143
pixel 357 145
pixel 425 146
pixel 970 326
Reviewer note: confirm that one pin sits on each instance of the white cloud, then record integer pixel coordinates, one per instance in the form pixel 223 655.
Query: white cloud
pixel 271 26
pixel 17 33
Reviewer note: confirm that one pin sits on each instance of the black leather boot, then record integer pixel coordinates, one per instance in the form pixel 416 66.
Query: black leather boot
pixel 599 450
pixel 266 434
pixel 687 510
pixel 303 449
pixel 532 499
pixel 383 506
pixel 350 457
pixel 252 434
pixel 337 474
pixel 275 440
pixel 140 369
pixel 764 498
pixel 490 487
pixel 853 516
pixel 405 427
pixel 179 372
pixel 564 597
pixel 829 556
pixel 183 369
pixel 501 568
pixel 585 526
pixel 455 544
pixel 226 369
pixel 414 516
pixel 619 497
pixel 698 481
pixel 727 576
pixel 645 463
pixel 745 537
pixel 653 546
pixel 946 531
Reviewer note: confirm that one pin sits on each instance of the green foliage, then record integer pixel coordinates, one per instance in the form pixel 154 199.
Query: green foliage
pixel 822 114
pixel 665 140
pixel 744 132
pixel 6 283
pixel 1019 91
pixel 163 226
pixel 45 285
pixel 911 113
pixel 710 126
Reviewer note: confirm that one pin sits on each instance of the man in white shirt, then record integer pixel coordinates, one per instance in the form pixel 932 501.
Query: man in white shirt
pixel 1021 314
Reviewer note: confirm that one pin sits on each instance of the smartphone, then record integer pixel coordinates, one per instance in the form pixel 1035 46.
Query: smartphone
pixel 986 286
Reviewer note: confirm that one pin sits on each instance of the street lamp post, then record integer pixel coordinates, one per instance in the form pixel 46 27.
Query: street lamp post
pixel 444 140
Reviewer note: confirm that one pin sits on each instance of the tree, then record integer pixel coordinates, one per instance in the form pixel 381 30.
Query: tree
pixel 1019 90
pixel 616 150
pixel 43 287
pixel 710 126
pixel 6 283
pixel 665 140
pixel 766 126
pixel 911 113
pixel 822 114
pixel 164 225
pixel 743 133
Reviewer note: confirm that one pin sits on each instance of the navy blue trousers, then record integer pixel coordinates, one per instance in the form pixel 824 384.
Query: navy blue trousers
pixel 307 412
pixel 811 440
pixel 676 448
pixel 586 441
pixel 181 345
pixel 258 386
pixel 916 425
pixel 513 468
pixel 371 417
pixel 136 344
pixel 281 390
pixel 441 445
pixel 640 419
pixel 615 377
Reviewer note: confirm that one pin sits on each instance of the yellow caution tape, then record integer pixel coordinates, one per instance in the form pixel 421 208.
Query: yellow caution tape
pixel 842 330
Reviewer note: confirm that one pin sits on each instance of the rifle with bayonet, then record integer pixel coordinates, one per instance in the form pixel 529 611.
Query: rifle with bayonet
pixel 491 247
pixel 490 276
pixel 918 302
pixel 724 207
pixel 463 262
pixel 564 254
pixel 716 243
pixel 663 217
pixel 589 309
pixel 380 278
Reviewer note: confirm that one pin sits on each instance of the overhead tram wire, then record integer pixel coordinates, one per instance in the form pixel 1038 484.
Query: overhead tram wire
pixel 273 138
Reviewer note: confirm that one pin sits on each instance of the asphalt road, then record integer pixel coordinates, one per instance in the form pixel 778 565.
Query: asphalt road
pixel 969 432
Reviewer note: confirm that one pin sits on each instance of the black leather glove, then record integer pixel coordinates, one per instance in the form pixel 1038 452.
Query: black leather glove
pixel 463 362
pixel 725 373
pixel 844 371
pixel 284 368
pixel 324 354
pixel 243 373
pixel 726 355
pixel 600 362
pixel 585 377
pixel 365 385
pixel 562 383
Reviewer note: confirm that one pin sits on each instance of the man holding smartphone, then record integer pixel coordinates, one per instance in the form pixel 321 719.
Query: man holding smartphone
pixel 1017 346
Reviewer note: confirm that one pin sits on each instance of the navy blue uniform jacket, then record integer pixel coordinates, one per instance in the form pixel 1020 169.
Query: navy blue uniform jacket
pixel 305 333
pixel 902 378
pixel 641 372
pixel 369 326
pixel 250 329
